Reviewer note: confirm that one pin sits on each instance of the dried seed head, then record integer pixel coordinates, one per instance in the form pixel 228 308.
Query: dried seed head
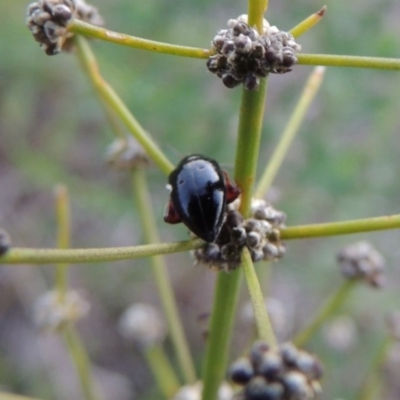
pixel 340 333
pixel 143 324
pixel 244 56
pixel 260 233
pixel 5 242
pixel 126 154
pixel 285 373
pixel 47 20
pixel 361 261
pixel 52 311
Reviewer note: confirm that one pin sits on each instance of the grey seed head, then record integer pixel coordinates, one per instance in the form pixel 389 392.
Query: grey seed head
pixel 256 255
pixel 296 386
pixel 259 389
pixel 229 81
pixel 53 31
pixel 40 17
pixel 257 352
pixel 241 371
pixel 218 42
pixel 271 366
pixel 5 242
pixel 253 239
pixel 212 252
pixel 252 225
pixel 239 235
pixel 243 44
pixel 309 365
pixel 289 353
pixel 270 251
pixel 62 13
pixel 251 82
pixel 228 47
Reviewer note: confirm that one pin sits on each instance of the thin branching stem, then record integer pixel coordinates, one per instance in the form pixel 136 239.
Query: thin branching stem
pixel 261 317
pixel 63 235
pixel 82 364
pixel 373 381
pixel 29 256
pixel 85 29
pixel 12 396
pixel 256 10
pixel 311 88
pixel 78 256
pixel 349 61
pixel 160 273
pixel 162 370
pixel 308 23
pixel 329 307
pixel 110 97
pixel 220 331
pixel 342 228
pixel 248 144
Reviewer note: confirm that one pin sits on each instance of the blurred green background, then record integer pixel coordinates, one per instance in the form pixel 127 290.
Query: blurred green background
pixel 344 164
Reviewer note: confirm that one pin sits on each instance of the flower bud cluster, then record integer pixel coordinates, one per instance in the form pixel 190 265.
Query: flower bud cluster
pixel 244 56
pixel 52 311
pixel 48 19
pixel 143 324
pixel 284 373
pixel 260 233
pixel 126 154
pixel 361 261
pixel 5 242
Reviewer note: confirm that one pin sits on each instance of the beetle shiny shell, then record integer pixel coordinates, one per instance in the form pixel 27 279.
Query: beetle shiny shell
pixel 200 192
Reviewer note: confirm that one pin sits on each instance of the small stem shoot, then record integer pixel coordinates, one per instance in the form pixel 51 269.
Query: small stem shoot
pixel 63 216
pixel 110 97
pixel 349 61
pixel 162 371
pixel 327 310
pixel 165 291
pixel 308 23
pixel 261 317
pixel 85 29
pixel 310 90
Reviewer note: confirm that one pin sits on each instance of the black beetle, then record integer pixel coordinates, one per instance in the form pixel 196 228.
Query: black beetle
pixel 200 190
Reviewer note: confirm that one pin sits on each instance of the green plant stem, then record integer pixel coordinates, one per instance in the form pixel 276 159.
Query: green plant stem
pixel 63 236
pixel 248 143
pixel 112 100
pixel 12 396
pixel 310 89
pixel 373 382
pixel 83 28
pixel 220 331
pixel 326 311
pixel 143 199
pixel 349 61
pixel 19 255
pixel 261 317
pixel 308 23
pixel 78 256
pixel 81 361
pixel 341 228
pixel 256 10
pixel 162 371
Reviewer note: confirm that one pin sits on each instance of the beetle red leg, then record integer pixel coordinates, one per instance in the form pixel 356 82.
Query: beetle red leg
pixel 232 190
pixel 170 214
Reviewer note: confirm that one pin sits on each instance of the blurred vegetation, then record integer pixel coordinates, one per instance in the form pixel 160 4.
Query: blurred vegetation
pixel 343 165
